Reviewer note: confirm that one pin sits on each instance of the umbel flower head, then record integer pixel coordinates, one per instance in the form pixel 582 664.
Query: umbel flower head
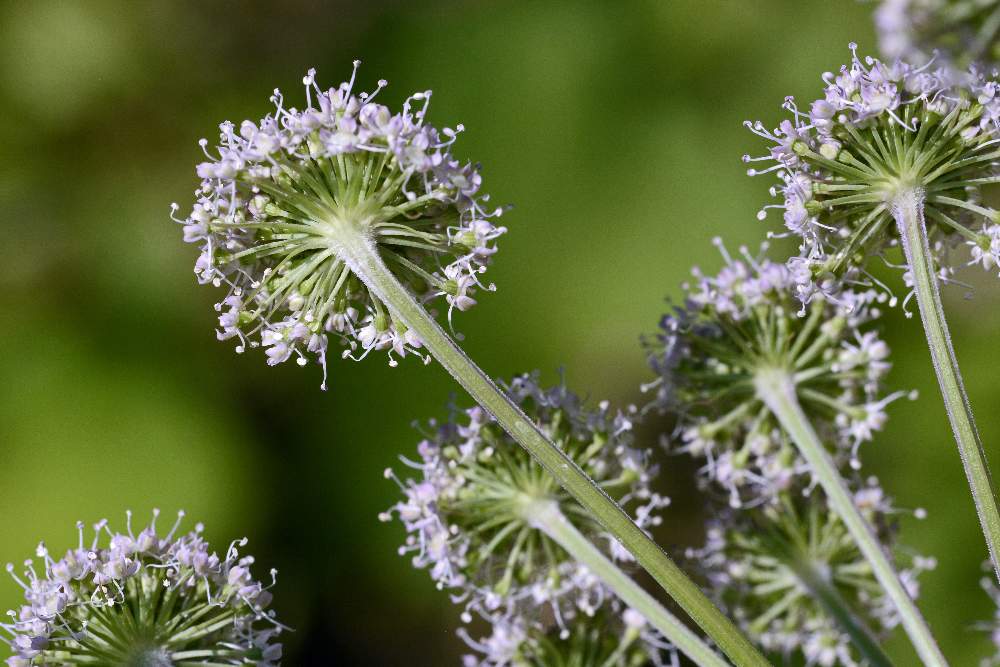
pixel 961 32
pixel 741 322
pixel 879 132
pixel 469 512
pixel 143 600
pixel 612 637
pixel 281 200
pixel 769 568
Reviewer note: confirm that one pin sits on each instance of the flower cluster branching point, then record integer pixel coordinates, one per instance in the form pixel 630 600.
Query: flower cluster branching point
pixel 881 131
pixel 143 599
pixel 469 511
pixel 281 199
pixel 744 320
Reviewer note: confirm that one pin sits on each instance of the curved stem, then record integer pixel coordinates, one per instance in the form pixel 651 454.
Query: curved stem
pixel 831 600
pixel 362 256
pixel 546 517
pixel 908 209
pixel 777 389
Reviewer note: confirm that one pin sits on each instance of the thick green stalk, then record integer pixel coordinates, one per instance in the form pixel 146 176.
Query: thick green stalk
pixel 362 256
pixel 908 209
pixel 777 389
pixel 546 517
pixel 827 594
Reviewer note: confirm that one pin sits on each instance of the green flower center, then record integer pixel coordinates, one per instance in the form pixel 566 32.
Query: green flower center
pixel 947 157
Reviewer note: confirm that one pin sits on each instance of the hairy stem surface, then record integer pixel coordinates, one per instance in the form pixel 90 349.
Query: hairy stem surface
pixel 908 209
pixel 362 255
pixel 546 517
pixel 777 389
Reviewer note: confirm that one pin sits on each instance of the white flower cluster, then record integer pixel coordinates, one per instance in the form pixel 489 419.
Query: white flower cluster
pixel 465 519
pixel 739 322
pixel 878 129
pixel 143 599
pixel 281 194
pixel 768 567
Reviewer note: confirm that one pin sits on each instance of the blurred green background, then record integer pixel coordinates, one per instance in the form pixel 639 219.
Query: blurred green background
pixel 614 128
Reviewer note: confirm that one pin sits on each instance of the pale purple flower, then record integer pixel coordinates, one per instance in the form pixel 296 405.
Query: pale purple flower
pixel 273 190
pixel 762 566
pixel 464 509
pixel 743 320
pixel 881 128
pixel 957 31
pixel 87 602
pixel 611 637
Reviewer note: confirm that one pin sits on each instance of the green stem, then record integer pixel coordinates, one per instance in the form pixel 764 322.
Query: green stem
pixel 777 389
pixel 831 600
pixel 360 253
pixel 546 517
pixel 908 209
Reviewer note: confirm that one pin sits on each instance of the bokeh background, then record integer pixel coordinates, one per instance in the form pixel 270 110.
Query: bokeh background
pixel 614 128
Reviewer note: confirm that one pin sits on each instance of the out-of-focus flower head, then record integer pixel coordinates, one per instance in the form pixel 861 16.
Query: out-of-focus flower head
pixel 960 32
pixel 772 567
pixel 742 321
pixel 989 585
pixel 611 637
